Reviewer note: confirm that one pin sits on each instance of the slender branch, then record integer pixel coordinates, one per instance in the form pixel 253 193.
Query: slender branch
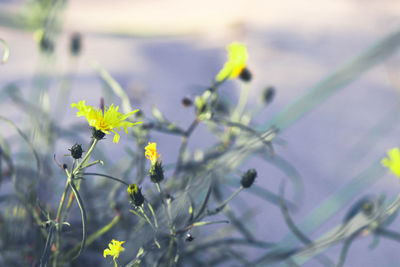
pixel 106 176
pixel 223 204
pixel 183 146
pixel 83 213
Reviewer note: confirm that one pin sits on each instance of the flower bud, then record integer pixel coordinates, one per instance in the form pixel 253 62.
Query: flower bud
pixel 46 45
pixel 76 151
pixel 97 134
pixel 248 178
pixel 135 195
pixel 156 172
pixel 75 45
pixel 268 94
pixel 245 75
pixel 187 102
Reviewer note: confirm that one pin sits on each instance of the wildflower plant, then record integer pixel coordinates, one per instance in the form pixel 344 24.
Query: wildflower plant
pixel 163 207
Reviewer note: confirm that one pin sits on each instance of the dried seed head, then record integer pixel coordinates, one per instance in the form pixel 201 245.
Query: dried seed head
pixel 76 151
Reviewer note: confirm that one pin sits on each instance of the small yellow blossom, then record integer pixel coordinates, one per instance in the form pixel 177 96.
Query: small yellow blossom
pixel 237 59
pixel 393 162
pixel 105 121
pixel 151 152
pixel 115 247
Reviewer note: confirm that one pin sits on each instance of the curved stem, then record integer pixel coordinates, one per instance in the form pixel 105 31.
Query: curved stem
pixel 59 224
pixel 106 176
pixel 223 204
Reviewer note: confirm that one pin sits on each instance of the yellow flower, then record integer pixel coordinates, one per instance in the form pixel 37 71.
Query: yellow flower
pixel 151 152
pixel 393 162
pixel 115 247
pixel 237 59
pixel 105 121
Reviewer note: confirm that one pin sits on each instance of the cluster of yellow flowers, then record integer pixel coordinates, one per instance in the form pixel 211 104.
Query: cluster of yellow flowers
pixel 109 120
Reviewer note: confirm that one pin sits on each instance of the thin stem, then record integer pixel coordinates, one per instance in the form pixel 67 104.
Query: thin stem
pixel 146 217
pixel 183 146
pixel 59 223
pixel 153 214
pixel 204 203
pixel 93 236
pixel 223 204
pixel 86 157
pixel 166 207
pixel 170 249
pixel 83 214
pixel 92 163
pixel 106 176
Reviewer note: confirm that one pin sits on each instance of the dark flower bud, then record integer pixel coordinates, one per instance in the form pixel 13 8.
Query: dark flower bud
pixel 46 45
pixel 248 178
pixel 65 166
pixel 189 237
pixel 75 46
pixel 245 75
pixel 187 102
pixel 268 94
pixel 135 195
pixel 76 151
pixel 97 134
pixel 156 172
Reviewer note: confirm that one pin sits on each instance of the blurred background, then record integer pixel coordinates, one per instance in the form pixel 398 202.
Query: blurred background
pixel 161 51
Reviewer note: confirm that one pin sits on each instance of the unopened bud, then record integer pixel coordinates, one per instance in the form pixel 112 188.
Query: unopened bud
pixel 76 44
pixel 76 151
pixel 268 94
pixel 248 178
pixel 156 172
pixel 245 75
pixel 187 102
pixel 135 195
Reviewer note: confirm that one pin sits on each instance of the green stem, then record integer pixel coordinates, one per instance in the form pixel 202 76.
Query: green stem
pixel 59 224
pixel 153 214
pixel 94 236
pixel 86 157
pixel 146 217
pixel 223 204
pixel 166 207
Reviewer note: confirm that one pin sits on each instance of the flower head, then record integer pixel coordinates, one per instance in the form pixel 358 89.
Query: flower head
pixel 151 153
pixel 237 59
pixel 248 178
pixel 115 247
pixel 393 162
pixel 135 194
pixel 107 120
